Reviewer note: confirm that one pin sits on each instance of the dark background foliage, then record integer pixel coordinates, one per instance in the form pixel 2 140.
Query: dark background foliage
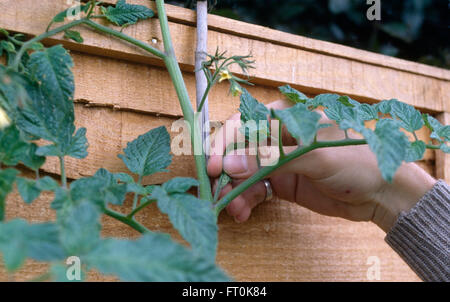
pixel 417 30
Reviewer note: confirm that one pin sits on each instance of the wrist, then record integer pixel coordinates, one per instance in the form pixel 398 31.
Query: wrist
pixel 409 185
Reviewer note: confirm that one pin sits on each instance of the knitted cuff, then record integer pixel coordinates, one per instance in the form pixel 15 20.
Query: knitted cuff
pixel 421 236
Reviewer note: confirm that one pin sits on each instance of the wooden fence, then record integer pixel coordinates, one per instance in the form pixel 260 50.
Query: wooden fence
pixel 122 92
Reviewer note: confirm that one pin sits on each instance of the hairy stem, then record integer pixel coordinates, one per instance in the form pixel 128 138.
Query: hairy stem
pixel 125 37
pixel 135 198
pixel 126 220
pixel 138 209
pixel 63 172
pixel 46 35
pixel 266 171
pixel 186 106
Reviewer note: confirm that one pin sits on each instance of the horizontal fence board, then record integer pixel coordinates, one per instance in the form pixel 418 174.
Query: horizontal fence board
pixel 280 242
pixel 109 131
pixel 275 64
pixel 119 98
pixel 127 85
pixel 256 32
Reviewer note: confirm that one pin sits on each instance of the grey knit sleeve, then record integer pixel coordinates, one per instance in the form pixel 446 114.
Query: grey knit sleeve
pixel 421 236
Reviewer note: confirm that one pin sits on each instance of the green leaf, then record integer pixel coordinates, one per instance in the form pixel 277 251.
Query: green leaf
pixel 52 67
pixel 348 102
pixel 345 116
pixel 367 112
pixel 31 159
pixel 12 147
pixel 384 107
pixel 80 228
pixel 293 94
pixel 111 191
pixel 416 151
pixel 153 257
pixel 47 184
pixel 410 118
pixel 252 114
pixel 7 178
pixel 49 112
pixel 301 123
pixel 179 184
pixel 20 240
pixel 438 131
pixel 149 153
pixel 27 189
pixel 73 35
pixel 70 12
pixel 389 145
pixel 192 217
pixel 251 109
pixel 126 14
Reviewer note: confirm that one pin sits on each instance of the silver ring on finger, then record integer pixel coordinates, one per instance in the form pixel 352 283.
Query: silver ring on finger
pixel 269 191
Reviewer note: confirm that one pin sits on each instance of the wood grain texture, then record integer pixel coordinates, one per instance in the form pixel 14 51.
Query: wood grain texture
pixel 256 32
pixel 312 72
pixel 122 93
pixel 280 242
pixel 443 159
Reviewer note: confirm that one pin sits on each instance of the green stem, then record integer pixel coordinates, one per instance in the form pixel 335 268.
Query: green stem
pixel 46 35
pixel 280 139
pixel 135 198
pixel 63 172
pixel 264 172
pixel 205 95
pixel 138 209
pixel 125 37
pixel 128 221
pixel 185 103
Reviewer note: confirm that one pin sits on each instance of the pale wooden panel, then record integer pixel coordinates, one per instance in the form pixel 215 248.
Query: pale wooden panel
pixel 310 71
pixel 257 32
pixel 280 242
pixel 126 85
pixel 108 132
pixel 443 159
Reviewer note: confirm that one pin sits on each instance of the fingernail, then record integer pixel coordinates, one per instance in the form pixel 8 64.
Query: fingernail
pixel 235 164
pixel 236 220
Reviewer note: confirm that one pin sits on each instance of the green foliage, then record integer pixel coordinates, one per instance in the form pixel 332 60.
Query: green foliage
pixel 7 178
pixel 179 185
pixel 389 146
pixel 301 123
pixel 20 240
pixel 127 14
pixel 149 153
pixel 293 95
pixel 192 217
pixel 153 257
pixel 73 35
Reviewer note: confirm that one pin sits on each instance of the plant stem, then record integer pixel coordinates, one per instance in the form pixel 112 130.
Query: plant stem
pixel 135 198
pixel 138 209
pixel 46 35
pixel 264 172
pixel 128 221
pixel 185 103
pixel 125 37
pixel 63 172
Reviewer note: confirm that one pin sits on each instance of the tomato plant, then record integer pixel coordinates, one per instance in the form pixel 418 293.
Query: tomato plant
pixel 36 102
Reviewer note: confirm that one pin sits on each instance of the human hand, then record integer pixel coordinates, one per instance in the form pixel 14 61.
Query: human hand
pixel 340 181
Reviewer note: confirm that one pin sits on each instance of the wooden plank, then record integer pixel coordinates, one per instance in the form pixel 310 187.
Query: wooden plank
pixel 443 159
pixel 256 32
pixel 280 242
pixel 108 132
pixel 121 84
pixel 309 71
